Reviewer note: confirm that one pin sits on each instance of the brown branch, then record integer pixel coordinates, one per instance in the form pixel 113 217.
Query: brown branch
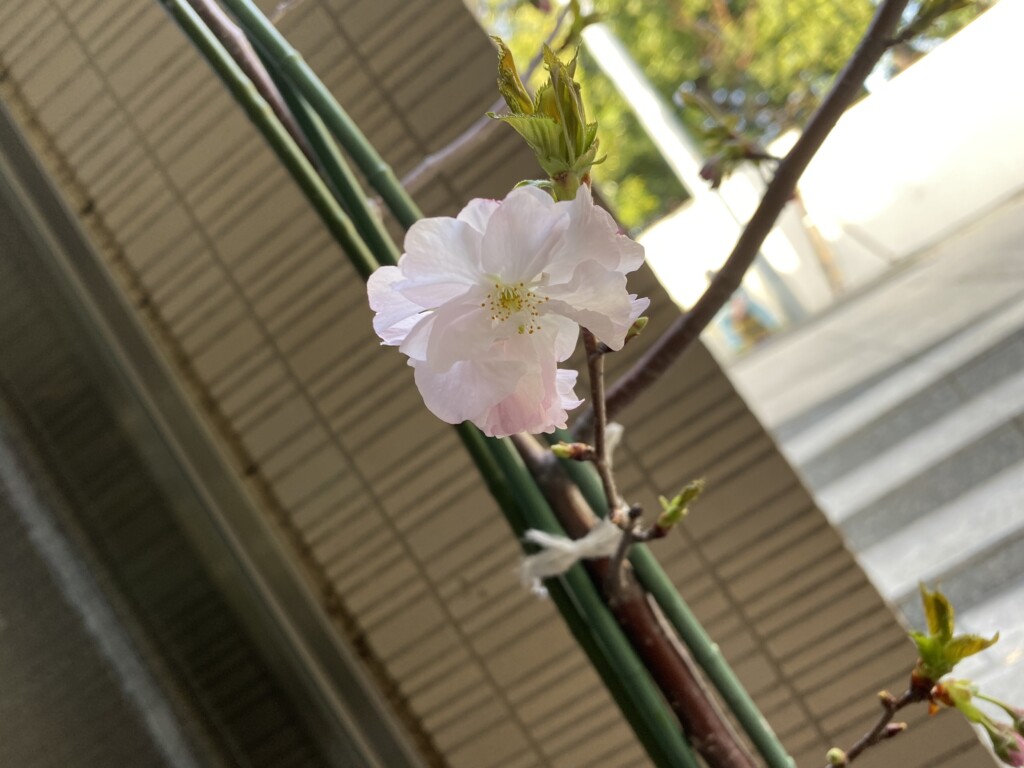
pixel 238 46
pixel 668 661
pixel 670 346
pixel 884 729
pixel 595 368
pixel 613 580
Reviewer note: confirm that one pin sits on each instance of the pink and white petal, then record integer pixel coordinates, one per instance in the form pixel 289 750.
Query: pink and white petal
pixel 541 398
pixel 432 295
pixel 637 307
pixel 560 333
pixel 443 253
pixel 596 298
pixel 449 333
pixel 527 409
pixel 459 332
pixel 533 348
pixel 539 404
pixel 395 314
pixel 478 212
pixel 521 234
pixel 565 383
pixel 417 340
pixel 592 234
pixel 469 389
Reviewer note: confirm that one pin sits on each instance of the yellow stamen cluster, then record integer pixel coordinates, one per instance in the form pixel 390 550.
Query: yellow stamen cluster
pixel 508 300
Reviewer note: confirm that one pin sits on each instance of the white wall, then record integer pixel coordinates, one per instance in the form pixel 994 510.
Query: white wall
pixel 928 152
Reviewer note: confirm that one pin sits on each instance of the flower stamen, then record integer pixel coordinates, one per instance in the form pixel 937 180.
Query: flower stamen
pixel 506 301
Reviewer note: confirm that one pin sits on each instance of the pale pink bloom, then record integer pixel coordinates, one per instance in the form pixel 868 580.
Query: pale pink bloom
pixel 487 304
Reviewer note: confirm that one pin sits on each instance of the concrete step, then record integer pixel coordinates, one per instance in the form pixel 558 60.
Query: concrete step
pixel 939 485
pixel 976 522
pixel 893 467
pixel 1000 670
pixel 909 409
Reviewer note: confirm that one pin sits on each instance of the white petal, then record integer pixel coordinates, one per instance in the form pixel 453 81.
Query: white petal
pixel 396 315
pixel 478 212
pixel 565 383
pixel 433 294
pixel 459 332
pixel 596 298
pixel 592 234
pixel 538 404
pixel 637 307
pixel 565 333
pixel 467 390
pixel 442 260
pixel 521 235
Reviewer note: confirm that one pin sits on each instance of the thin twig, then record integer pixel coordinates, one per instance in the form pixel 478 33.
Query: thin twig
pixel 613 579
pixel 882 730
pixel 670 346
pixel 476 134
pixel 595 367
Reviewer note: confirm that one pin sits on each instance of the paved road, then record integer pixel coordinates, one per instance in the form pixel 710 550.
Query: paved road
pixel 903 409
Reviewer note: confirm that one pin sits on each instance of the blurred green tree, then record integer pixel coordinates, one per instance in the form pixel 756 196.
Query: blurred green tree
pixel 767 62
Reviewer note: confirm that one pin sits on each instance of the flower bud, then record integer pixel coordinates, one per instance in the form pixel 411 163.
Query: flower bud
pixel 637 328
pixel 573 451
pixel 1006 743
pixel 893 729
pixel 836 757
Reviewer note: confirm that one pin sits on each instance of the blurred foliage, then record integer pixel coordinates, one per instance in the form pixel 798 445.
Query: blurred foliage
pixel 634 179
pixel 931 21
pixel 766 63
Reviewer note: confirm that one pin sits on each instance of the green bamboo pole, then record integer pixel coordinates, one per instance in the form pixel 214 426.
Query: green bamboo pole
pixel 705 651
pixel 581 607
pixel 339 225
pixel 575 594
pixel 336 169
pixel 290 63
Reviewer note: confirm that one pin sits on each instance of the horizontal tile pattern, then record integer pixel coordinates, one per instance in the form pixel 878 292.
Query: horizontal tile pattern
pixel 266 313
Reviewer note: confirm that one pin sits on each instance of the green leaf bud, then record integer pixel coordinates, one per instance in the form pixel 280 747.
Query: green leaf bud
pixel 675 509
pixel 837 758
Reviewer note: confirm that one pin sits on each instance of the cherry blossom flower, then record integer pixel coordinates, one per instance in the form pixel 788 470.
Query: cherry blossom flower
pixel 486 305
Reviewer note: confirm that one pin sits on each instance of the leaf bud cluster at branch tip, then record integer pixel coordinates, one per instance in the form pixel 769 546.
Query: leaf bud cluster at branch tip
pixel 939 651
pixel 673 510
pixel 554 122
pixel 727 145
